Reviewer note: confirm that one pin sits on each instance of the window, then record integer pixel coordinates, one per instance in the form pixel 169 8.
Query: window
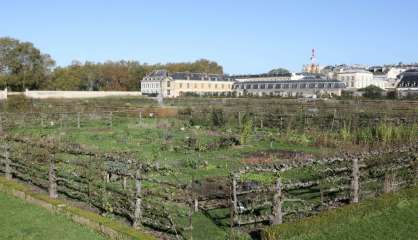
pixel 321 85
pixel 216 85
pixel 188 85
pixel 181 85
pixel 168 92
pixel 303 85
pixel 286 86
pixel 248 86
pixel 311 85
pixel 278 86
pixel 255 86
pixel 168 85
pixel 294 86
pixel 270 86
pixel 195 85
pixel 263 86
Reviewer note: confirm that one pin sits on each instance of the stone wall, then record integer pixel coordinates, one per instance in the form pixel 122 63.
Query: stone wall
pixel 79 94
pixel 3 94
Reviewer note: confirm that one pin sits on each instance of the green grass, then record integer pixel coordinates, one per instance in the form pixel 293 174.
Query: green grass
pixel 19 220
pixel 393 216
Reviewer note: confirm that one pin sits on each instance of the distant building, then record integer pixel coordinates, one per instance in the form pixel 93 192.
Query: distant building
pixel 262 77
pixel 360 78
pixel 182 83
pixel 408 84
pixel 306 87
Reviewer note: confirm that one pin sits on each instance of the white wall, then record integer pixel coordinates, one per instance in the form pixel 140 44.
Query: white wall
pixel 78 94
pixel 3 94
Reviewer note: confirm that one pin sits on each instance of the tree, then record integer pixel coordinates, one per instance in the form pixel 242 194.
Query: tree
pixel 22 65
pixel 279 71
pixel 372 92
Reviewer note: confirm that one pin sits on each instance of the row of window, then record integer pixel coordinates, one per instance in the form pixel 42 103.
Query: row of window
pixel 202 85
pixel 352 78
pixel 287 86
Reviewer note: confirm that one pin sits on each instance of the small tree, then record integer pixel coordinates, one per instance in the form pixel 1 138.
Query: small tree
pixel 372 92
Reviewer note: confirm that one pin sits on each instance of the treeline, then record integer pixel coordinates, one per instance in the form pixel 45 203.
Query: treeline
pixel 22 66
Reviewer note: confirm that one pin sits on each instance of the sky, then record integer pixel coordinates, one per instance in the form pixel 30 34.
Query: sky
pixel 242 35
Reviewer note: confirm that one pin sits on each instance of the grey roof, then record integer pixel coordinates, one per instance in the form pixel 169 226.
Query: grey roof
pixel 303 80
pixel 409 79
pixel 191 76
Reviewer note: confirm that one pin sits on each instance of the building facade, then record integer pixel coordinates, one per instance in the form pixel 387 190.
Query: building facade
pixel 166 84
pixel 306 87
pixel 360 78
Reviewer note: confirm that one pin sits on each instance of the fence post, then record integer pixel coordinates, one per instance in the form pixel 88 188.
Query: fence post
pixel 52 178
pixel 78 120
pixel 8 169
pixel 355 181
pixel 234 193
pixel 277 203
pixel 124 182
pixel 239 120
pixel 196 205
pixel 138 211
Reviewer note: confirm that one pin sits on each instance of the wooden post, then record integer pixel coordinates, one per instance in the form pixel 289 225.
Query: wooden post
pixel 52 178
pixel 196 205
pixel 138 211
pixel 111 119
pixel 234 194
pixel 42 120
pixel 8 169
pixel 239 120
pixel 355 181
pixel 389 183
pixel 107 177
pixel 78 120
pixel 140 117
pixel 277 203
pixel 124 182
pixel 191 220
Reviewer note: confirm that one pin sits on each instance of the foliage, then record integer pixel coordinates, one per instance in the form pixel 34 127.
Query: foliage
pixel 389 217
pixel 246 131
pixel 372 92
pixel 279 71
pixel 217 117
pixel 22 66
pixel 18 103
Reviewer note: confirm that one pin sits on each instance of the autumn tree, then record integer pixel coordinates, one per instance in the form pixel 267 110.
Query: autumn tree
pixel 22 65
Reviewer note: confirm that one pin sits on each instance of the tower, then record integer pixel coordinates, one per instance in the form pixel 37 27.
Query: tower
pixel 313 67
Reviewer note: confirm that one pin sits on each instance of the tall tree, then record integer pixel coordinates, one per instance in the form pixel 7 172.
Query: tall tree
pixel 279 71
pixel 22 65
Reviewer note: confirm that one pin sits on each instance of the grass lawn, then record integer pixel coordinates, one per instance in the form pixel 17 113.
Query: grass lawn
pixel 389 217
pixel 19 220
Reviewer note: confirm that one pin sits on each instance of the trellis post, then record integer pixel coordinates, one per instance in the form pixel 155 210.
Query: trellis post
pixel 234 193
pixel 78 120
pixel 111 119
pixel 8 169
pixel 277 203
pixel 239 120
pixel 52 178
pixel 124 182
pixel 138 200
pixel 196 205
pixel 355 181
